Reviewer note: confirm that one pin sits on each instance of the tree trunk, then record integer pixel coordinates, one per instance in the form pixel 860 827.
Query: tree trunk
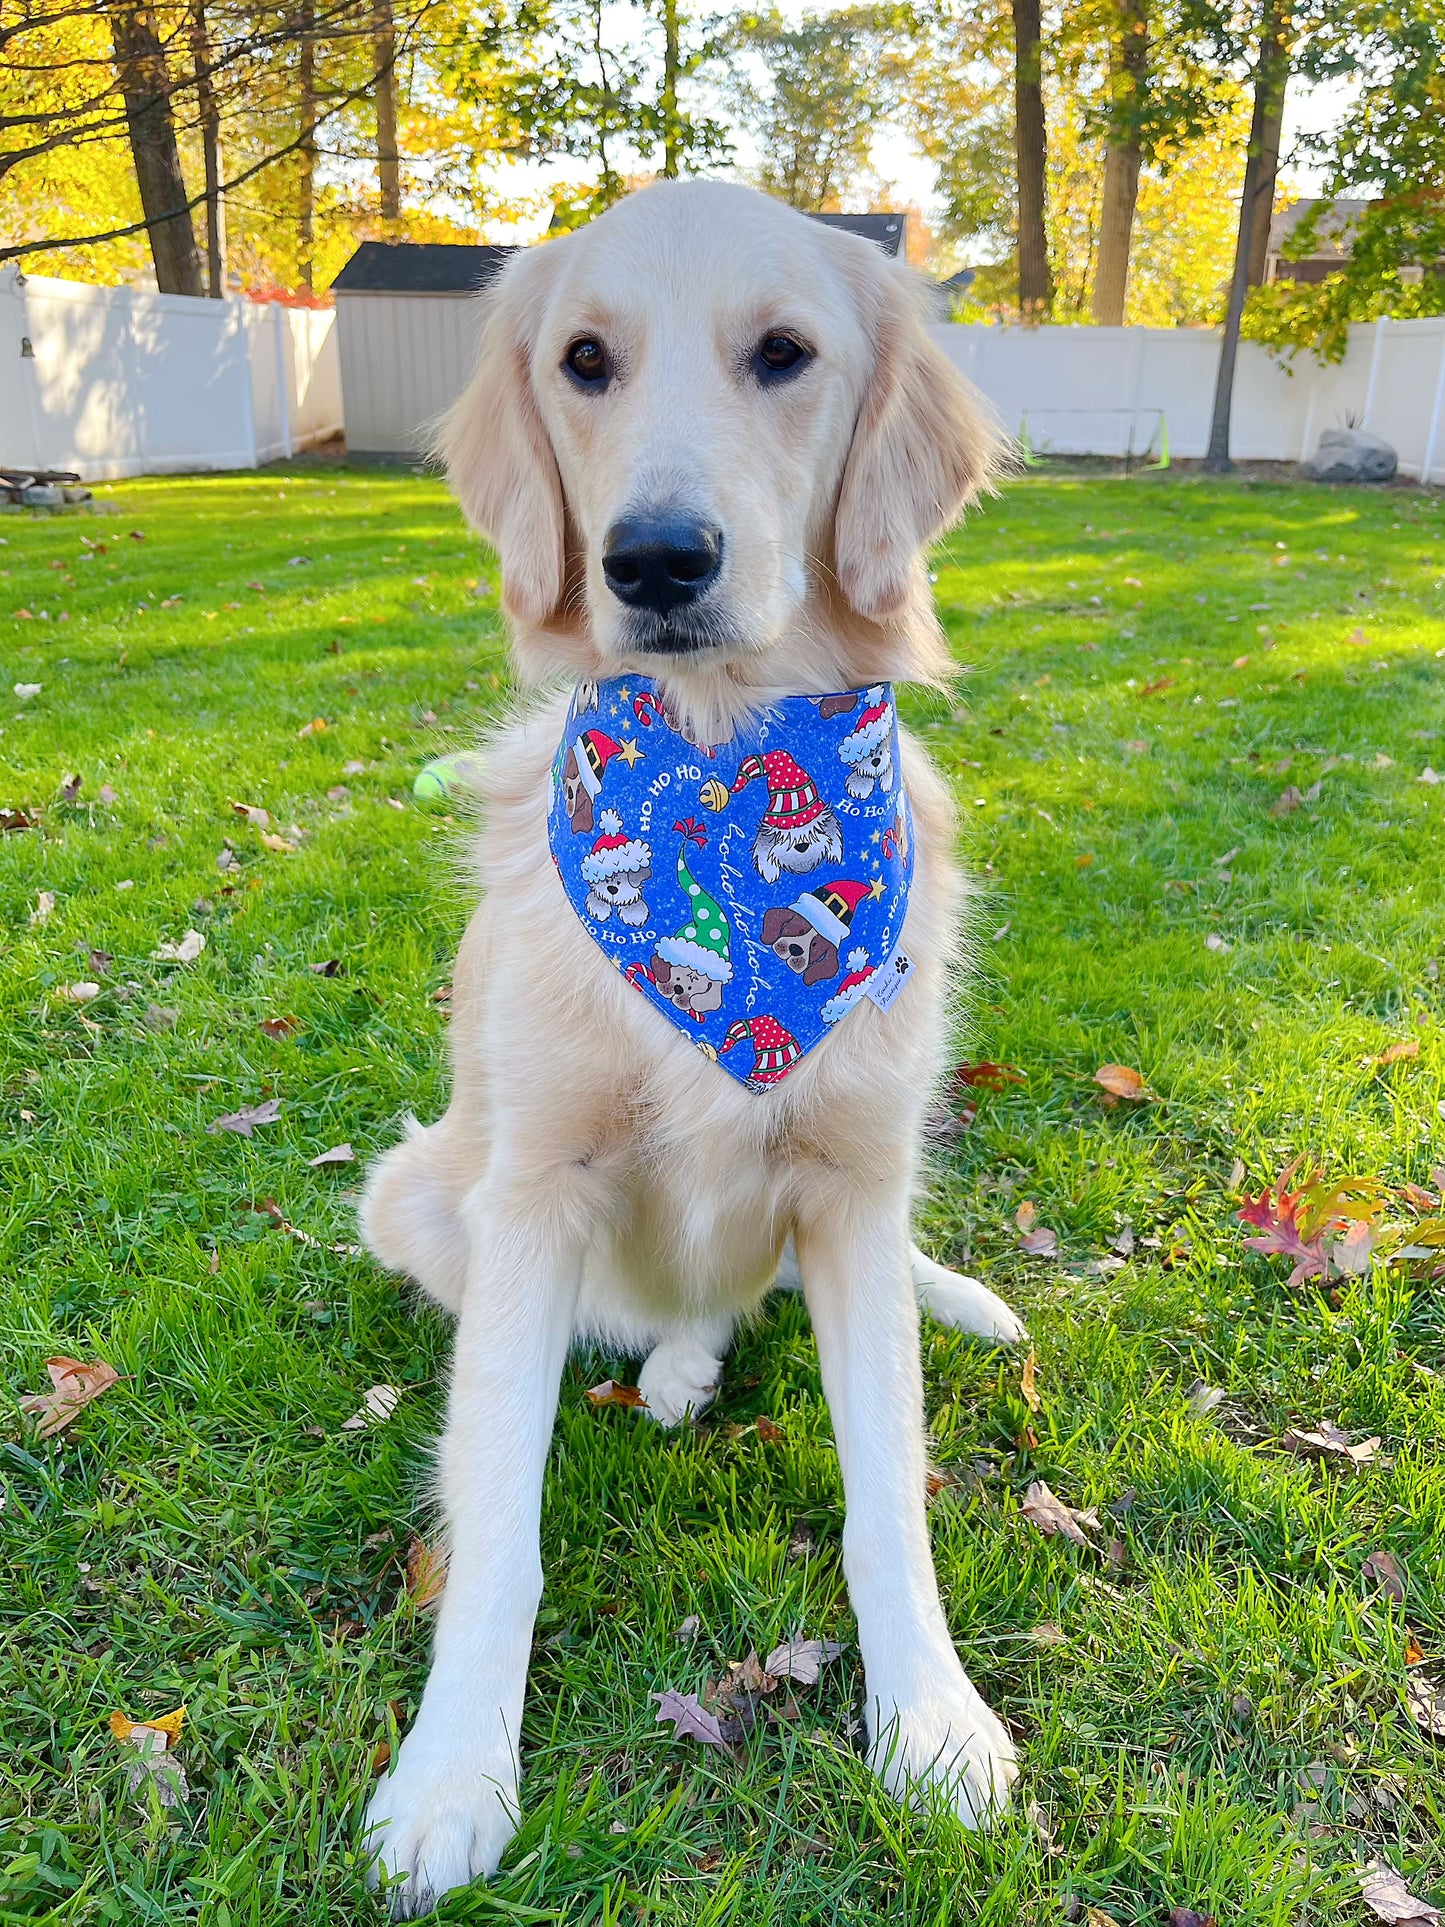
pixel 1035 282
pixel 210 118
pixel 306 241
pixel 1121 165
pixel 146 89
pixel 1271 76
pixel 1267 173
pixel 671 144
pixel 388 161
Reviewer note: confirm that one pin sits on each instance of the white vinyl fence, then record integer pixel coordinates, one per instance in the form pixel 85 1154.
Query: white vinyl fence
pixel 111 382
pixel 1112 391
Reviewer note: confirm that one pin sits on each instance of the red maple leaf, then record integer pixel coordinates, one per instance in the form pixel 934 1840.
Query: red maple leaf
pixel 1302 1224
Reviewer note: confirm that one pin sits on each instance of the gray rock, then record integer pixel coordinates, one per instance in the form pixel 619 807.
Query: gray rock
pixel 40 495
pixel 76 494
pixel 1350 455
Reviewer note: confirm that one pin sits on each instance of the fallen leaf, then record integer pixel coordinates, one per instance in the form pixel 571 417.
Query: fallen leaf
pixel 1287 802
pixel 1387 1896
pixel 269 1208
pixel 1117 1554
pixel 332 967
pixel 167 1724
pixel 158 1017
pixel 338 1154
pixel 426 1573
pixel 375 1409
pixel 987 1076
pixel 1237 1174
pixel 609 1392
pixel 801 1659
pixel 689 1720
pixel 70 789
pixel 186 951
pixel 44 905
pixel 1309 1224
pixel 82 993
pixel 1219 945
pixel 73 1386
pixel 769 1432
pixel 1118 1080
pixel 1428 775
pixel 1385 1569
pixel 1188 1917
pixel 1382 761
pixel 1155 687
pixel 1414 1651
pixel 26 690
pixel 381 1757
pixel 253 813
pixel 1124 1243
pixel 1041 1243
pixel 316 727
pixel 1027 1215
pixel 1027 1383
pixel 1327 1441
pixel 1049 1513
pixel 281 845
pixel 1203 1399
pixel 244 1121
pixel 105 794
pixel 1426 1701
pixel 1392 1054
pixel 15 820
pixel 279 1027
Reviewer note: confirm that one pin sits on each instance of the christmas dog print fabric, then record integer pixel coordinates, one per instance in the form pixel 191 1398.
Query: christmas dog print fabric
pixel 755 890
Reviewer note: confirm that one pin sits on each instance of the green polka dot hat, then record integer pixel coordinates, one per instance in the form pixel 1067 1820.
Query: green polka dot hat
pixel 703 941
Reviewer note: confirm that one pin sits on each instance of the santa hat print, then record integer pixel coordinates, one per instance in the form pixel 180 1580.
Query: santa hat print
pixel 614 853
pixel 851 989
pixel 705 938
pixel 873 727
pixel 793 798
pixel 830 907
pixel 777 1049
pixel 594 750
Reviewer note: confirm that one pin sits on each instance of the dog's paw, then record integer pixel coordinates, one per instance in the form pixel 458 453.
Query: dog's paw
pixel 963 1303
pixel 436 1823
pixel 680 1376
pixel 944 1742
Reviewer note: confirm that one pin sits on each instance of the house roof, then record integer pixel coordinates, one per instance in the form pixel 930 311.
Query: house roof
pixel 419 267
pixel 885 229
pixel 1332 237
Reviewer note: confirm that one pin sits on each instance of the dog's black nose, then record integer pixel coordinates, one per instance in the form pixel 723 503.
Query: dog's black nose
pixel 660 562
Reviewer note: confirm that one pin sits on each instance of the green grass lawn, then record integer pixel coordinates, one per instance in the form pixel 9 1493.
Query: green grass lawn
pixel 1220 1721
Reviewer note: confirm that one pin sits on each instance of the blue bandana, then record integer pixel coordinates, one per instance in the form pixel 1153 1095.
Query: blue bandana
pixel 754 891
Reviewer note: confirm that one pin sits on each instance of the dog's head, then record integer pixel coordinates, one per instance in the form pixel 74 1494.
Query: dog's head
pixel 687 988
pixel 576 797
pixel 791 937
pixel 697 417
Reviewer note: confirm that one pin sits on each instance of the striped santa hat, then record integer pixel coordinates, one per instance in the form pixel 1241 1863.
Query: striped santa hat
pixel 777 1049
pixel 793 798
pixel 850 991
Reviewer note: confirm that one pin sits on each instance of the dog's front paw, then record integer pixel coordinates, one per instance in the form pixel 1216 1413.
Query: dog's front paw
pixel 943 1740
pixel 963 1303
pixel 679 1376
pixel 439 1820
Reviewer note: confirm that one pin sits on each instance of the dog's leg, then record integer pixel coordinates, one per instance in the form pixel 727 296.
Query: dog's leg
pixel 449 1807
pixel 947 1296
pixel 926 1722
pixel 683 1371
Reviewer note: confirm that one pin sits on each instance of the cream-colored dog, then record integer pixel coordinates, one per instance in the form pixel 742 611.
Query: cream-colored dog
pixel 758 395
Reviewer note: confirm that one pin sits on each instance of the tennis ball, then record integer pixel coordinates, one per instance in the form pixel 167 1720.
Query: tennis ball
pixel 447 779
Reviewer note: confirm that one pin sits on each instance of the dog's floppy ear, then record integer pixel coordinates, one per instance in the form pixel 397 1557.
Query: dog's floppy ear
pixel 497 451
pixel 822 961
pixel 922 449
pixel 774 921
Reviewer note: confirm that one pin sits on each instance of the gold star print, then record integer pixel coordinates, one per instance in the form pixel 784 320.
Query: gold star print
pixel 875 889
pixel 629 752
pixel 625 693
pixel 877 837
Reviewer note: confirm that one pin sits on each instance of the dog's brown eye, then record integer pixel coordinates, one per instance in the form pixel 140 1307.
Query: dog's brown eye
pixel 777 355
pixel 587 360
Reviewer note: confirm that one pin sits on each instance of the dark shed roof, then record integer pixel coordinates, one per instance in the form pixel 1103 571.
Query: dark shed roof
pixel 412 267
pixel 886 230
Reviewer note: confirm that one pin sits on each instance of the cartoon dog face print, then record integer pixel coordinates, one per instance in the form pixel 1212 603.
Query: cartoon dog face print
pixel 689 989
pixel 576 797
pixel 797 850
pixel 622 892
pixel 792 938
pixel 870 767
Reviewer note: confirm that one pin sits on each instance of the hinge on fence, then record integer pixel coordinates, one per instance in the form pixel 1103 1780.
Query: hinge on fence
pixel 27 353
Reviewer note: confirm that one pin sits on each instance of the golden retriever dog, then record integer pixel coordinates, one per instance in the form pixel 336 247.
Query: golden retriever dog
pixel 758 395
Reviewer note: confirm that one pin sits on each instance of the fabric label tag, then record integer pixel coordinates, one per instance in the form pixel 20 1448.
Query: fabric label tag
pixel 888 980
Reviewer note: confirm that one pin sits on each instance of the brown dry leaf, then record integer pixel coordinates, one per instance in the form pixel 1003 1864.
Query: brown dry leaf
pixel 690 1721
pixel 169 1724
pixel 1414 1651
pixel 70 789
pixel 1097 1917
pixel 185 951
pixel 1419 1199
pixel 1189 1917
pixel 332 967
pixel 316 727
pixel 1385 1569
pixel 1028 1383
pixel 426 1573
pixel 281 845
pixel 1387 1896
pixel 257 817
pixel 1117 1554
pixel 279 1027
pixel 1118 1080
pixel 1040 1243
pixel 1027 1215
pixel 81 993
pixel 987 1076
pixel 73 1386
pixel 769 1431
pixel 1327 1441
pixel 1287 802
pixel 338 1154
pixel 244 1121
pixel 1043 1508
pixel 44 904
pixel 801 1659
pixel 609 1392
pixel 1392 1054
pixel 1237 1174
pixel 1157 686
pixel 381 1758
